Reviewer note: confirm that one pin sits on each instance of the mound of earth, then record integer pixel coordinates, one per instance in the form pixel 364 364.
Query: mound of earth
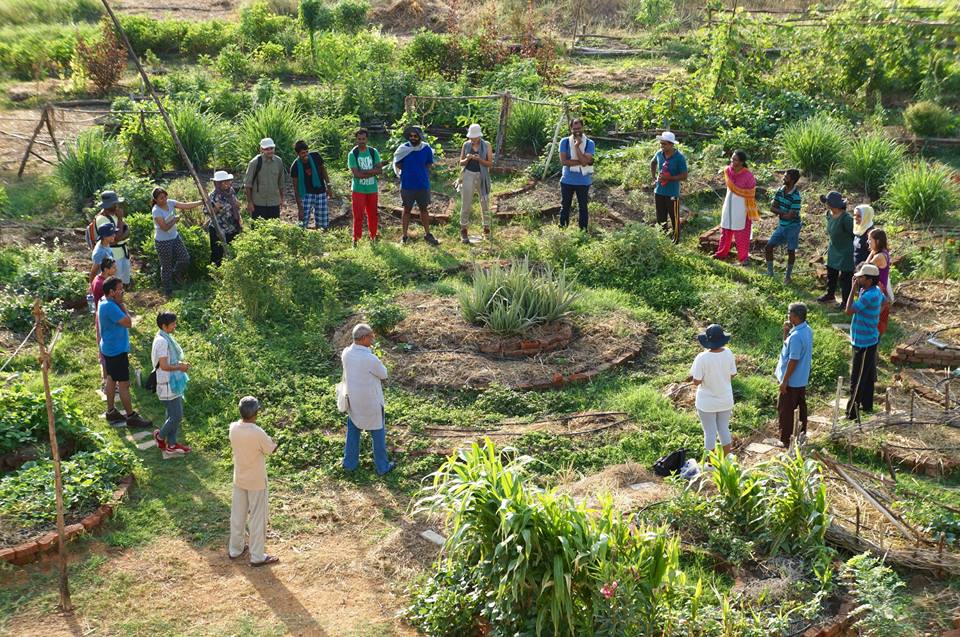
pixel 433 347
pixel 407 16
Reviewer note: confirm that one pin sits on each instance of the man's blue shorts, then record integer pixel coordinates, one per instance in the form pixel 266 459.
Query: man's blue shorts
pixel 786 234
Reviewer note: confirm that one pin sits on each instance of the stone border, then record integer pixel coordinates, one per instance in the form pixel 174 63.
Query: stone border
pixel 522 347
pixel 558 380
pixel 35 549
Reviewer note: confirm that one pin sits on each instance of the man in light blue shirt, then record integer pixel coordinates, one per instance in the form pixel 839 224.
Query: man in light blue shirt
pixel 793 371
pixel 576 157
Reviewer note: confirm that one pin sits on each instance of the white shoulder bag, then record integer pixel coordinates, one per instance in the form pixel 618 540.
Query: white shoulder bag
pixel 343 400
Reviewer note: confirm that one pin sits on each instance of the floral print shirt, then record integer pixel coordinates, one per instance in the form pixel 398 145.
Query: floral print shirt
pixel 226 208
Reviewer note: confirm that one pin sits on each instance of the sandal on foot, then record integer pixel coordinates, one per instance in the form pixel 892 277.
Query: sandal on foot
pixel 267 560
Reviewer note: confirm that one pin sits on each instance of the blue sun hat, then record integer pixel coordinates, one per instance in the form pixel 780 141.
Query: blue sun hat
pixel 713 337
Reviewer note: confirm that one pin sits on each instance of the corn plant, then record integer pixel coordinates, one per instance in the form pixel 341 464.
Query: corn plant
pixel 738 490
pixel 511 300
pixel 814 144
pixel 794 501
pixel 868 162
pixel 922 192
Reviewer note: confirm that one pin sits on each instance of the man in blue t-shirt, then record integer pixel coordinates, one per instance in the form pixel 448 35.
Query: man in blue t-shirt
pixel 412 161
pixel 115 326
pixel 793 371
pixel 864 336
pixel 669 168
pixel 576 157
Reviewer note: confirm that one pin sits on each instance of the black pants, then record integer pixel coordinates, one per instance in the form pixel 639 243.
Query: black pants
pixel 794 398
pixel 566 199
pixel 266 212
pixel 863 377
pixel 216 248
pixel 846 282
pixel 668 212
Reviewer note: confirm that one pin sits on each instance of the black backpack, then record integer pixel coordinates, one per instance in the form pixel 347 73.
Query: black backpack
pixel 670 463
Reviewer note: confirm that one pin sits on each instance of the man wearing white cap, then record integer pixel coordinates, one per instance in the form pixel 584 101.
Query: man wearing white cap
pixel 864 336
pixel 226 209
pixel 476 158
pixel 263 184
pixel 668 168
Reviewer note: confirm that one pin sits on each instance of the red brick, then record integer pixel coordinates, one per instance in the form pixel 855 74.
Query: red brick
pixel 953 633
pixel 105 511
pixel 833 629
pixel 47 541
pixel 7 555
pixel 529 345
pixel 578 377
pixel 25 552
pixel 72 531
pixel 92 521
pixel 811 632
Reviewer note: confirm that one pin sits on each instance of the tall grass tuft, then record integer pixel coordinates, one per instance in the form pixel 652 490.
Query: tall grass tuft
pixel 868 162
pixel 514 299
pixel 527 127
pixel 201 133
pixel 929 119
pixel 922 192
pixel 279 121
pixel 88 165
pixel 814 144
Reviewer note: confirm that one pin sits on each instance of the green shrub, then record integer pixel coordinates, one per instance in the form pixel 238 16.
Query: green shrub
pixel 201 134
pixel 527 127
pixel 430 53
pixel 314 15
pixel 162 36
pixel 598 112
pixel 88 165
pixel 258 25
pixel 381 312
pixel 16 312
pixel 740 309
pixel 922 192
pixel 882 607
pixel 350 16
pixel 23 420
pixel 233 63
pixel 652 13
pixel 145 142
pixel 4 200
pixel 814 145
pixel 41 274
pixel 929 119
pixel 276 120
pixel 868 162
pixel 194 237
pixel 136 192
pixel 208 37
pixel 511 300
pixel 627 258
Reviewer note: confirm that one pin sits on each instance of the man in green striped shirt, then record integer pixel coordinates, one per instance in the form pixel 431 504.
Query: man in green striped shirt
pixel 786 204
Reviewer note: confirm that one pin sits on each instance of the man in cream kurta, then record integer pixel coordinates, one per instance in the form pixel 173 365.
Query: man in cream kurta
pixel 251 446
pixel 363 373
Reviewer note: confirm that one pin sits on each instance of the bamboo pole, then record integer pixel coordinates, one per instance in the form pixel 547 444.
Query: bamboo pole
pixel 36 131
pixel 170 127
pixel 56 146
pixel 65 604
pixel 502 125
pixel 553 144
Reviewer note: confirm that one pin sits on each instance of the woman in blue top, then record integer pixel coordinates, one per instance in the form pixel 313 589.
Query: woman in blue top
pixel 576 157
pixel 174 258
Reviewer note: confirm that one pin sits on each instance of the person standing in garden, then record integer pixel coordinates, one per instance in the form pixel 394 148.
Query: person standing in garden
pixel 476 158
pixel 248 509
pixel 264 181
pixel 576 157
pixel 115 326
pixel 226 210
pixel 786 205
pixel 864 336
pixel 103 248
pixel 412 161
pixel 840 248
pixel 712 372
pixel 793 372
pixel 112 212
pixel 311 186
pixel 365 165
pixel 108 268
pixel 880 257
pixel 167 358
pixel 173 255
pixel 862 224
pixel 363 375
pixel 739 209
pixel 668 168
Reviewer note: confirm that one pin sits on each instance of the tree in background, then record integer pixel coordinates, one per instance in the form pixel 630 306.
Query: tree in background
pixel 103 59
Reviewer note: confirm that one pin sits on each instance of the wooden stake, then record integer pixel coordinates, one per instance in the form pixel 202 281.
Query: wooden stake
pixel 836 404
pixel 886 456
pixel 911 406
pixel 56 145
pixel 36 131
pixel 148 85
pixel 886 403
pixel 946 392
pixel 65 603
pixel 858 520
pixel 502 125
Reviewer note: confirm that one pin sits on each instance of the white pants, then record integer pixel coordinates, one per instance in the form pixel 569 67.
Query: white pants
pixel 248 511
pixel 714 422
pixel 470 185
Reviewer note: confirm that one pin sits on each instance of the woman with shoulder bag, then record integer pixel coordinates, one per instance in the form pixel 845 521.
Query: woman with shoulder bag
pixel 170 376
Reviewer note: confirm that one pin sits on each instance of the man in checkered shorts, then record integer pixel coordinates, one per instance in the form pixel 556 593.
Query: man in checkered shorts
pixel 311 186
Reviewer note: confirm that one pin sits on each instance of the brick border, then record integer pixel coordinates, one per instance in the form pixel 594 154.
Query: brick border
pixel 558 380
pixel 521 347
pixel 35 549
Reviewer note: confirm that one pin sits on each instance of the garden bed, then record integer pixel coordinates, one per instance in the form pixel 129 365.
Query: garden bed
pixel 433 347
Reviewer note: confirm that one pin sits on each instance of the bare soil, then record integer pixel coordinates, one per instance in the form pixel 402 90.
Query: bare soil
pixel 17 127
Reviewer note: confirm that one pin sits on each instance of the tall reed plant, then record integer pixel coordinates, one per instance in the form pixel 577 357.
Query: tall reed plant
pixel 276 120
pixel 922 192
pixel 868 162
pixel 815 144
pixel 527 127
pixel 88 165
pixel 200 132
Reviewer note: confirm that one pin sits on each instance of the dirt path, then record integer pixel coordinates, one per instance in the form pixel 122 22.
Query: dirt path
pixel 180 9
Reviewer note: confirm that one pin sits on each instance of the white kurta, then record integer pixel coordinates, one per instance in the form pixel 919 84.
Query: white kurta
pixel 363 372
pixel 734 215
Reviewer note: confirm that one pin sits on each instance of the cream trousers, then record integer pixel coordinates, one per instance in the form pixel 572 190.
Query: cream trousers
pixel 248 512
pixel 470 185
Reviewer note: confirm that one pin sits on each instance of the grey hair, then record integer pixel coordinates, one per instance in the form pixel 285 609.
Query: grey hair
pixel 249 406
pixel 799 310
pixel 361 330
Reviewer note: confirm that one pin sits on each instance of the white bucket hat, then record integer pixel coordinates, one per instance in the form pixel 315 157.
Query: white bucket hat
pixel 667 136
pixel 474 131
pixel 267 142
pixel 222 175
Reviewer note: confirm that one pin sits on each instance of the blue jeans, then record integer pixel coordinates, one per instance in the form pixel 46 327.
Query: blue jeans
pixel 351 450
pixel 174 409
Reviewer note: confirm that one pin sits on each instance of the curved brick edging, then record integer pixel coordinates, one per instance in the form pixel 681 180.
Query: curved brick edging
pixel 520 347
pixel 33 550
pixel 558 380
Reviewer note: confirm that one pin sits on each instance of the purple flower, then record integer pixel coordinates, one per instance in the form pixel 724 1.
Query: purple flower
pixel 608 590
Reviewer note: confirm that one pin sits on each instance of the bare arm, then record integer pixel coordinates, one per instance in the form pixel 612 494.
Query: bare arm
pixel 164 364
pixel 165 225
pixel 653 167
pixel 190 205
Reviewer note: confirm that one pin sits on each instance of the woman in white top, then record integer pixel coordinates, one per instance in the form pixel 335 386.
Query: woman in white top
pixel 712 371
pixel 174 258
pixel 167 359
